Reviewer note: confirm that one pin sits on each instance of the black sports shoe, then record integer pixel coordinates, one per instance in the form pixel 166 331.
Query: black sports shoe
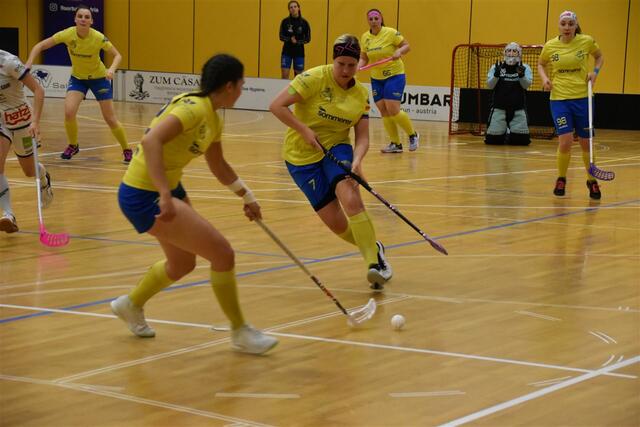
pixel 69 152
pixel 561 183
pixel 594 190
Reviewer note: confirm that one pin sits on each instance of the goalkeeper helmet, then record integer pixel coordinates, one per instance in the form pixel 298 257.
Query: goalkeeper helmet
pixel 512 53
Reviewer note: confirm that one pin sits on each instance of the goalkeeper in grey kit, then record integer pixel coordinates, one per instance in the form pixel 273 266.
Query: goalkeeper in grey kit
pixel 509 80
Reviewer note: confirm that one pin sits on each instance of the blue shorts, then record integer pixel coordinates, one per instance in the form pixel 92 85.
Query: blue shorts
pixel 101 88
pixel 141 206
pixel 391 88
pixel 298 62
pixel 318 180
pixel 569 114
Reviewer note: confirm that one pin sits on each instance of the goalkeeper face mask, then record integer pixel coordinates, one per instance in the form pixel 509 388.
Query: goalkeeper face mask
pixel 512 53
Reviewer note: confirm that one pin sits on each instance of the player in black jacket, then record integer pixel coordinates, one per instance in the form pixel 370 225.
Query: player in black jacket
pixel 295 32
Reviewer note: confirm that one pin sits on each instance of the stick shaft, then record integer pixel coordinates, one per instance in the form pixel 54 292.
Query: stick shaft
pixel 374 64
pixel 300 264
pixel 590 103
pixel 34 142
pixel 393 209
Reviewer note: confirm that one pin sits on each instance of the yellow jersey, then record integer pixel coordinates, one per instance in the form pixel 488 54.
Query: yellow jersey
pixel 381 46
pixel 328 109
pixel 201 126
pixel 84 52
pixel 569 62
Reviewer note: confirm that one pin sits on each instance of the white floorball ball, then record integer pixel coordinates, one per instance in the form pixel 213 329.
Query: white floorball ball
pixel 397 321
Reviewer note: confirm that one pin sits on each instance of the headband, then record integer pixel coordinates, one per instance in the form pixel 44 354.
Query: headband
pixel 374 13
pixel 346 49
pixel 567 14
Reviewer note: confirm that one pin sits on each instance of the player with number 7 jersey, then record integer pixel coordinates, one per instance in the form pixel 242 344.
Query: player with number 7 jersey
pixel 329 101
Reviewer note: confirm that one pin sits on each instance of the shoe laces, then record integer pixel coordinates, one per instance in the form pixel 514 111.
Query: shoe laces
pixel 69 150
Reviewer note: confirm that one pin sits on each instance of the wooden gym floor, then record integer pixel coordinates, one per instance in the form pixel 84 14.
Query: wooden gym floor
pixel 533 319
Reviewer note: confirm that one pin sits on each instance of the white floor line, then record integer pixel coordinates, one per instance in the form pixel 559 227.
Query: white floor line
pixel 549 381
pixel 528 397
pixel 442 353
pixel 129 398
pixel 601 338
pixel 186 349
pixel 260 395
pixel 272 332
pixel 607 337
pixel 65 290
pixel 613 356
pixel 539 316
pixel 428 393
pixel 130 363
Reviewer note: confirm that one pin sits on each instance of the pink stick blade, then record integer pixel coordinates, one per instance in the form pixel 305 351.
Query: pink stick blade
pixel 51 239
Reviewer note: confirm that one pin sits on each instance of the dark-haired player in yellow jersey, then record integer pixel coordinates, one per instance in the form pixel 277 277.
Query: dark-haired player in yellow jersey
pixel 87 73
pixel 388 80
pixel 154 201
pixel 329 101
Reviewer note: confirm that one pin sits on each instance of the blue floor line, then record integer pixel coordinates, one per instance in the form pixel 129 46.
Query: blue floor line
pixel 346 255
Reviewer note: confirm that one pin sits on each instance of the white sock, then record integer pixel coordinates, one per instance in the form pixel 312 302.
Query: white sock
pixel 5 195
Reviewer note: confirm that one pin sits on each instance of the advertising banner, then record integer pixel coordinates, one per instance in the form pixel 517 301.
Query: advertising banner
pixel 157 88
pixel 420 102
pixel 54 79
pixel 59 15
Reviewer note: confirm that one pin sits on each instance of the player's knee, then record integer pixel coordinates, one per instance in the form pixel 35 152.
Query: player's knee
pixel 494 139
pixel 224 258
pixel 111 121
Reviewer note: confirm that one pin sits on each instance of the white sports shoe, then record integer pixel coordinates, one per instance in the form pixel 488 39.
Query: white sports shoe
pixel 8 223
pixel 248 339
pixel 379 273
pixel 414 141
pixel 133 316
pixel 46 193
pixel 387 271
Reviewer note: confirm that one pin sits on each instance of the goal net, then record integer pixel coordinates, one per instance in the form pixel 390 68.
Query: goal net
pixel 471 99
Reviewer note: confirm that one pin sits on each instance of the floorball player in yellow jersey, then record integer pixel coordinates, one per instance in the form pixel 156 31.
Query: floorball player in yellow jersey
pixel 567 56
pixel 87 73
pixel 153 199
pixel 329 101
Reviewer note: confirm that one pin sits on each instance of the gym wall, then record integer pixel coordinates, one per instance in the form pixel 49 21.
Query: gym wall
pixel 178 35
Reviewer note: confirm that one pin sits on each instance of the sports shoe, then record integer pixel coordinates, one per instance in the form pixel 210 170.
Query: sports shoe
pixel 133 316
pixel 392 148
pixel 127 155
pixel 561 183
pixel 70 151
pixel 46 192
pixel 248 339
pixel 375 276
pixel 414 141
pixel 387 271
pixel 594 190
pixel 8 223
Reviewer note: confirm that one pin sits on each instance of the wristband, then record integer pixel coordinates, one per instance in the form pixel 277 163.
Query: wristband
pixel 237 185
pixel 248 197
pixel 596 70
